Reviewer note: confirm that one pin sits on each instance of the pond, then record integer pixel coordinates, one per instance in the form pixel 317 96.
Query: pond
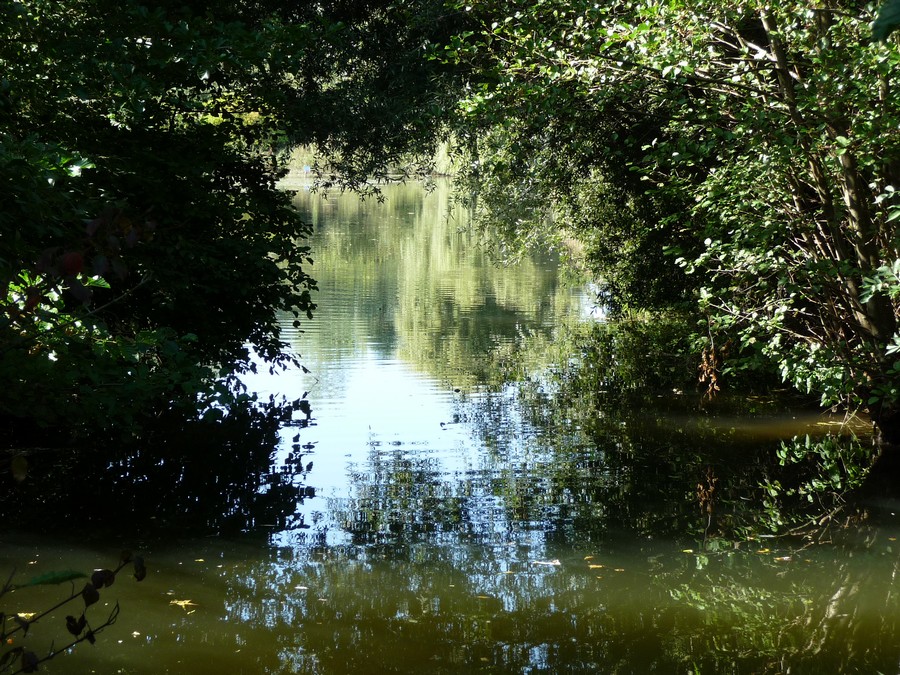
pixel 454 500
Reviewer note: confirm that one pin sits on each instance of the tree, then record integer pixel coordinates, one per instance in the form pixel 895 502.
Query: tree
pixel 776 128
pixel 146 252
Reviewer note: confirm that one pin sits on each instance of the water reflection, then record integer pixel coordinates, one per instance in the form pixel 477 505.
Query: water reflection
pixel 474 491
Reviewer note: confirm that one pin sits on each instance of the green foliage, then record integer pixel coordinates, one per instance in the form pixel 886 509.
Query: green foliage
pixel 144 246
pixel 53 578
pixel 146 254
pixel 764 138
pixel 372 106
pixel 818 474
pixel 551 163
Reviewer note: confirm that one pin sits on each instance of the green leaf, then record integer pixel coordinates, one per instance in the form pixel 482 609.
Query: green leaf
pixel 53 578
pixel 888 20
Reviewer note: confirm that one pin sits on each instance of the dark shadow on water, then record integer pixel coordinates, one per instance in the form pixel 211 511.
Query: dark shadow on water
pixel 212 476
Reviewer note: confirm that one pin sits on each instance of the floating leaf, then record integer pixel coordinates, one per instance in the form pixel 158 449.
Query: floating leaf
pixel 553 563
pixel 184 604
pixel 53 578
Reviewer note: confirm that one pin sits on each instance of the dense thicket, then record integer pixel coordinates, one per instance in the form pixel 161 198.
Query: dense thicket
pixel 734 157
pixel 145 251
pixel 753 146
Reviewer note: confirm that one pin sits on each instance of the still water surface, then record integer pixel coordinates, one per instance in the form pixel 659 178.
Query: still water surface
pixel 452 520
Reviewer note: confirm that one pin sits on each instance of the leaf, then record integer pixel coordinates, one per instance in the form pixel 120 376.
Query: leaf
pixel 103 578
pixel 90 594
pixel 53 578
pixel 76 626
pixel 887 21
pixel 140 571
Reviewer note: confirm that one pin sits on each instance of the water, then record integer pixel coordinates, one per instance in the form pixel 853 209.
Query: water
pixel 454 504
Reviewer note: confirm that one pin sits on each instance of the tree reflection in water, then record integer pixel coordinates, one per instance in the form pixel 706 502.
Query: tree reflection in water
pixel 186 477
pixel 572 515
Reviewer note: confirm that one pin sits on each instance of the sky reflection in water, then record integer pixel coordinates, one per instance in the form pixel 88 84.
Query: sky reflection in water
pixel 450 526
